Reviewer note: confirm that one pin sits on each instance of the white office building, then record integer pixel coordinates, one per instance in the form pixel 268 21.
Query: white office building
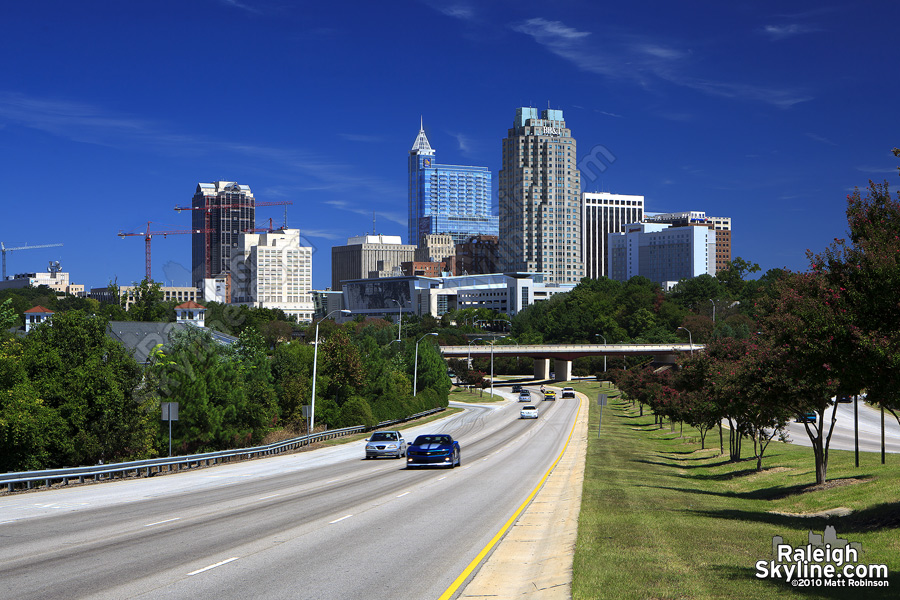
pixel 605 213
pixel 274 271
pixel 662 253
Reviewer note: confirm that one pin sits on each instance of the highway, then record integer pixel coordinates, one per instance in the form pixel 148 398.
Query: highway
pixel 319 524
pixel 869 430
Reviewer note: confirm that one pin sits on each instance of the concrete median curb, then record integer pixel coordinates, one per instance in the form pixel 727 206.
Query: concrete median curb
pixel 534 559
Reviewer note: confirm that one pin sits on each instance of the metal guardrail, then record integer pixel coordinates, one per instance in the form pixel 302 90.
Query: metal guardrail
pixel 28 479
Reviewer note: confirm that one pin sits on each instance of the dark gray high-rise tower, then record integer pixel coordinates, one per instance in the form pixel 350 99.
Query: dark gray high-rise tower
pixel 540 198
pixel 225 209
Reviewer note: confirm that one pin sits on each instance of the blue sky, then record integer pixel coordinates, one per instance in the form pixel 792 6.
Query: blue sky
pixel 111 112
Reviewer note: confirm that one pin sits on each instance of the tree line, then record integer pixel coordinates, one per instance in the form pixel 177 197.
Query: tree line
pixel 819 338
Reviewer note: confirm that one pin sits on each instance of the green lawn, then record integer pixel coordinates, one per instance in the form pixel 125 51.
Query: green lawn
pixel 661 518
pixel 474 396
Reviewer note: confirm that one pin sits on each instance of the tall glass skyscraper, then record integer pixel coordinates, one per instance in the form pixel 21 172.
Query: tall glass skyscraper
pixel 540 198
pixel 449 199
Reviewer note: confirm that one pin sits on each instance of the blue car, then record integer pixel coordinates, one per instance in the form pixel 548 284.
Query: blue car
pixel 433 450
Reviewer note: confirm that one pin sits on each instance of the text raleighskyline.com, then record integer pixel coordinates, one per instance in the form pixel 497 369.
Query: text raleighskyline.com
pixel 815 564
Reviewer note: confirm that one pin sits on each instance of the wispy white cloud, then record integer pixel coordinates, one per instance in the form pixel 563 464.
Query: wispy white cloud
pixel 85 123
pixel 241 5
pixel 355 137
pixel 876 170
pixel 609 114
pixel 457 10
pixel 780 32
pixel 465 143
pixel 644 61
pixel 819 138
pixel 368 211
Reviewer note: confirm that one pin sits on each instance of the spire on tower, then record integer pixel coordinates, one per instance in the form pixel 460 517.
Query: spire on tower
pixel 421 145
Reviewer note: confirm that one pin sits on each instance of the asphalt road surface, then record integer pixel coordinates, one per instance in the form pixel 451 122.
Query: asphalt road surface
pixel 320 524
pixel 869 430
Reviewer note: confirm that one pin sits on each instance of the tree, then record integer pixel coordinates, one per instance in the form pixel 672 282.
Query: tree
pixel 865 271
pixel 8 316
pixel 148 303
pixel 807 323
pixel 94 385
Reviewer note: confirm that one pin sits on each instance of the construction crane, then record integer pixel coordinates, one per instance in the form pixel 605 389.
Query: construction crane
pixel 208 229
pixel 4 250
pixel 148 235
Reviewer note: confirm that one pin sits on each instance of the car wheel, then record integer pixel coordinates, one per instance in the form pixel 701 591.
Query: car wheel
pixel 458 459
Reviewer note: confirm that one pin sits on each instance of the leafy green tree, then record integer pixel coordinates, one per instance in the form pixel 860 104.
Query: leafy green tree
pixel 148 303
pixel 8 316
pixel 93 384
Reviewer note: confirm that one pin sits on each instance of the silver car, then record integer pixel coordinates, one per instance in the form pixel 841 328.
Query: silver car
pixel 386 443
pixel 528 412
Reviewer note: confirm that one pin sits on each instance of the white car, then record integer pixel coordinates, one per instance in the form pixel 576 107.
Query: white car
pixel 528 412
pixel 568 392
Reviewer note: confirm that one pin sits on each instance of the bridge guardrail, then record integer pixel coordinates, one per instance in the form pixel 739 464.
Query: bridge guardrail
pixel 109 471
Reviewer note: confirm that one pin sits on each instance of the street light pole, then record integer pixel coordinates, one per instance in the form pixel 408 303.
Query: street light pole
pixel 400 329
pixel 312 410
pixel 690 339
pixel 416 364
pixel 604 355
pixel 469 360
pixel 714 309
pixel 494 341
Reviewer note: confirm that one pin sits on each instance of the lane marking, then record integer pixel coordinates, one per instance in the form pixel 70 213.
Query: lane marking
pixel 161 522
pixel 267 497
pixel 339 520
pixel 403 494
pixel 218 564
pixel 442 478
pixel 486 550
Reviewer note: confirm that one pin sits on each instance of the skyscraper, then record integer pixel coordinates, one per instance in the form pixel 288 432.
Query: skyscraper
pixel 605 213
pixel 224 209
pixel 448 199
pixel 540 198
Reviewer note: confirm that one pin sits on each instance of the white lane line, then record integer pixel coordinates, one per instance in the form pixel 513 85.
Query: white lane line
pixel 341 519
pixel 161 522
pixel 218 564
pixel 267 497
pixel 403 494
pixel 442 478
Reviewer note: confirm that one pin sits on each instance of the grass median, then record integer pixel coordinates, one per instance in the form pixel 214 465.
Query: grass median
pixel 661 518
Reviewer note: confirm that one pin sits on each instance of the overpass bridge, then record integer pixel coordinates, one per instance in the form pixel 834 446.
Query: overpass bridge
pixel 564 354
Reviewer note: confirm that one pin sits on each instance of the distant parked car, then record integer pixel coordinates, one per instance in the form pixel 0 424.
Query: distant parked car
pixel 528 412
pixel 386 443
pixel 433 450
pixel 524 396
pixel 568 392
pixel 809 417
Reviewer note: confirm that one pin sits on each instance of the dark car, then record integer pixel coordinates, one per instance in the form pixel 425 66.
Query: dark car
pixel 386 443
pixel 809 417
pixel 433 450
pixel 516 388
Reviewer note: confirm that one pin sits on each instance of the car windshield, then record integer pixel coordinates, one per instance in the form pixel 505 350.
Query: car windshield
pixel 383 436
pixel 529 408
pixel 432 439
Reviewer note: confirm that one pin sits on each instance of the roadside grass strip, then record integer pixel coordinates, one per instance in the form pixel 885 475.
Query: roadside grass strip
pixel 661 518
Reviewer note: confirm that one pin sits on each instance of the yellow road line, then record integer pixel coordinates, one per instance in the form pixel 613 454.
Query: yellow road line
pixel 448 593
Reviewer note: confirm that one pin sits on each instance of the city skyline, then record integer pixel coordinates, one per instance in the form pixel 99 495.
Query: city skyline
pixel 744 111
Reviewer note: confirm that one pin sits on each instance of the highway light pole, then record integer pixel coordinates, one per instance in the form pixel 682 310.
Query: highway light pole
pixel 312 410
pixel 714 309
pixel 416 364
pixel 690 339
pixel 400 329
pixel 604 355
pixel 494 341
pixel 469 361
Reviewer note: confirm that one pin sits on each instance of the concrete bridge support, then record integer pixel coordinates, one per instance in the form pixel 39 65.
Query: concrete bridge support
pixel 542 368
pixel 562 370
